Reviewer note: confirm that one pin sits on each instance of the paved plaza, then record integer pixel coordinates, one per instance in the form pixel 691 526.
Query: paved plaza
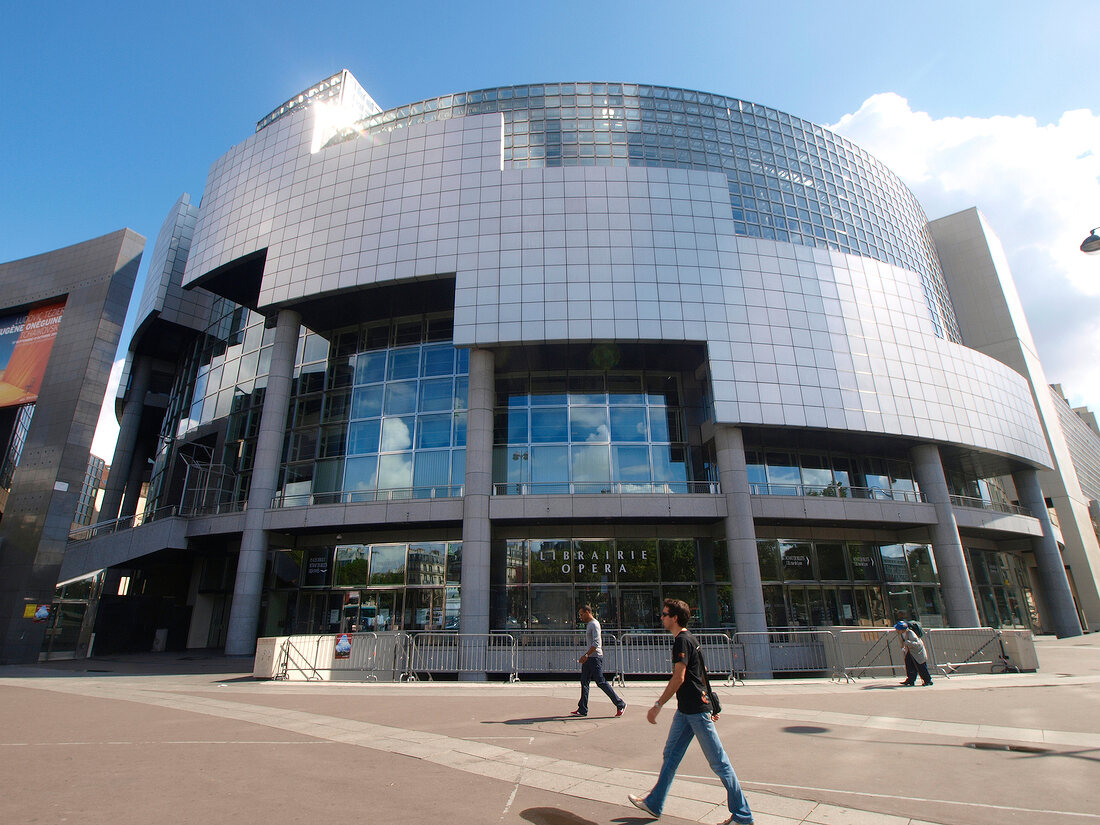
pixel 167 738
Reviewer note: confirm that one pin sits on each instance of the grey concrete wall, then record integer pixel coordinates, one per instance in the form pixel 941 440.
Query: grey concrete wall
pixel 96 279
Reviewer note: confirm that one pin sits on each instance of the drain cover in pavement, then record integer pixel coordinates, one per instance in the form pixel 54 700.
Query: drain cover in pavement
pixel 991 746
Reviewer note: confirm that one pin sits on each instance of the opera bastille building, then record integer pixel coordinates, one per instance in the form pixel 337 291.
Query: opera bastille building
pixel 471 362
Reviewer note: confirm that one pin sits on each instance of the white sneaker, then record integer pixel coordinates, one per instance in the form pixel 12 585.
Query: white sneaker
pixel 638 802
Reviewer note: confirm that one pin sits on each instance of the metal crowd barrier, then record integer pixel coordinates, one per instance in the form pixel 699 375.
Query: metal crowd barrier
pixel 963 649
pixel 841 653
pixel 442 652
pixel 792 652
pixel 870 651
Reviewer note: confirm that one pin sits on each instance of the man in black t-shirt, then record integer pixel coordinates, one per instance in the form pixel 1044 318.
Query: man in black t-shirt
pixel 694 719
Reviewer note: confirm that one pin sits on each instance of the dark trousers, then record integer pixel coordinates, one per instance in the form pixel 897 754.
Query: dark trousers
pixel 592 671
pixel 912 669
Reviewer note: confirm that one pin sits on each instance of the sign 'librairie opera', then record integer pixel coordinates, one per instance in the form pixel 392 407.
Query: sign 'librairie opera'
pixel 26 341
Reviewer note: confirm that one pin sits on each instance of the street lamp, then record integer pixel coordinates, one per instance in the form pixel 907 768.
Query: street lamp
pixel 1092 242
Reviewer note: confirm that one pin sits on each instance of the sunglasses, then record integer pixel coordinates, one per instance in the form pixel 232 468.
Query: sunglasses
pixel 665 615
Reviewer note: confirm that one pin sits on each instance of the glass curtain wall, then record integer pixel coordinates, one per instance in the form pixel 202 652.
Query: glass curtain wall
pixel 825 583
pixel 378 412
pixel 586 432
pixel 348 588
pixel 779 472
pixel 1002 589
pixel 538 584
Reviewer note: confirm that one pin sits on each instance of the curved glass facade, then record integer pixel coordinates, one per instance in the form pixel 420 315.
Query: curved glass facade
pixel 789 179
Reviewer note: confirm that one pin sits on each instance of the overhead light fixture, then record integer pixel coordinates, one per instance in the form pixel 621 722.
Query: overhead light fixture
pixel 1092 242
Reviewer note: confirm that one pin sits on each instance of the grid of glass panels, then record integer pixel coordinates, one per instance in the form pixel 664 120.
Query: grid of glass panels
pixel 779 472
pixel 789 179
pixel 827 583
pixel 222 376
pixel 1002 589
pixel 538 584
pixel 364 587
pixel 591 432
pixel 378 411
pixel 16 442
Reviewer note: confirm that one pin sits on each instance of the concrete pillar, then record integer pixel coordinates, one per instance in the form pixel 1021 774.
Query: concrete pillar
pixel 123 459
pixel 476 529
pixel 958 595
pixel 139 464
pixel 1057 596
pixel 744 561
pixel 244 614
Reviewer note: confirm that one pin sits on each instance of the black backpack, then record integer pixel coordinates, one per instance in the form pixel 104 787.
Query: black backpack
pixel 916 628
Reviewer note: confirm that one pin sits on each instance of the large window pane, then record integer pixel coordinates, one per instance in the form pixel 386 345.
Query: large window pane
pixel 366 402
pixel 551 561
pixel 387 564
pixel 630 463
pixel 403 363
pixel 437 359
pixel 593 561
pixel 894 568
pixel 796 561
pixel 678 560
pixel 395 472
pixel 550 469
pixel 400 397
pixel 436 394
pixel 426 563
pixel 549 425
pixel 591 469
pixel 628 424
pixel 588 425
pixel 830 561
pixel 370 367
pixel 552 608
pixel 637 560
pixel 434 431
pixel 352 563
pixel 431 472
pixel 397 434
pixel 363 436
pixel 361 474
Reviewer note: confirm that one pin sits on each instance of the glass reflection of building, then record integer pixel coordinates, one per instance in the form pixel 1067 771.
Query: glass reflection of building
pixel 582 299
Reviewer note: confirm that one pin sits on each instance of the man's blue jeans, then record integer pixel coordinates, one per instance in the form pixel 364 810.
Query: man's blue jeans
pixel 685 727
pixel 592 671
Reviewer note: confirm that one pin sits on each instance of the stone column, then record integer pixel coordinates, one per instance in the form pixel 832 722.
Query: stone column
pixel 1057 595
pixel 476 529
pixel 958 595
pixel 744 561
pixel 118 477
pixel 244 614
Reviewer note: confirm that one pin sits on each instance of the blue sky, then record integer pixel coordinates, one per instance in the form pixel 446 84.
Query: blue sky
pixel 111 110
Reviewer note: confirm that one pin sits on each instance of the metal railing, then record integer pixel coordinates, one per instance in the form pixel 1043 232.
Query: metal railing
pixel 983 504
pixel 119 524
pixel 129 522
pixel 368 496
pixel 580 488
pixel 835 491
pixel 840 653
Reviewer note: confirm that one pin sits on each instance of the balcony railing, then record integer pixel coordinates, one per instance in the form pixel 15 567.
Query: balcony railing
pixel 835 491
pixel 120 524
pixel 580 488
pixel 996 506
pixel 368 496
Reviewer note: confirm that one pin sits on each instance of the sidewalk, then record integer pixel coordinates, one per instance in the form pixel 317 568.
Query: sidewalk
pixel 168 738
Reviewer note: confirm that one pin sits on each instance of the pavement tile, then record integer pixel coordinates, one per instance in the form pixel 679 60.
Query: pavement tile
pixel 835 815
pixel 549 781
pixel 797 809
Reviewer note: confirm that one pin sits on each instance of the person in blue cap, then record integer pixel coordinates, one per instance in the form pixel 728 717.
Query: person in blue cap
pixel 913 648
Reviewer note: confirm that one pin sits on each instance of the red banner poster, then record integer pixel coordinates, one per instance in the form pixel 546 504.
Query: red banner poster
pixel 26 341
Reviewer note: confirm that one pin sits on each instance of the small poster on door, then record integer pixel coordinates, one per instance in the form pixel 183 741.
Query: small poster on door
pixel 343 646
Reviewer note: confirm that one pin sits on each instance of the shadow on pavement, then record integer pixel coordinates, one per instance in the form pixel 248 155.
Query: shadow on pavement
pixel 531 720
pixel 556 816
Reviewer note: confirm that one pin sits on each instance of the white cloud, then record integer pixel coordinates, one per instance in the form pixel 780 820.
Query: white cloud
pixel 1039 187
